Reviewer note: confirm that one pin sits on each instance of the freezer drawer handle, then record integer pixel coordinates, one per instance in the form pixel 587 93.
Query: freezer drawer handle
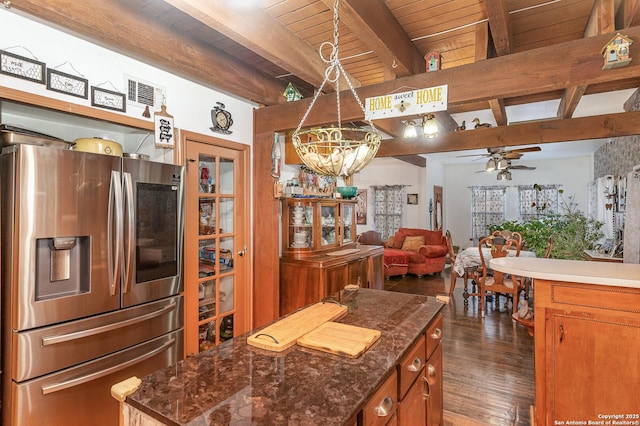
pixel 46 390
pixel 52 340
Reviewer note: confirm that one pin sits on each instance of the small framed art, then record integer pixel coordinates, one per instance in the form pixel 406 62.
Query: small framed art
pixel 412 198
pixel 108 99
pixel 21 67
pixel 67 83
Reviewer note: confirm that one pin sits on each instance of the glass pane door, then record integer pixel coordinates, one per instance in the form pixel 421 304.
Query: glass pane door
pixel 211 294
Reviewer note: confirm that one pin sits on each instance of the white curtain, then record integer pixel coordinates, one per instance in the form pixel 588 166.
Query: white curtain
pixel 389 209
pixel 538 201
pixel 487 208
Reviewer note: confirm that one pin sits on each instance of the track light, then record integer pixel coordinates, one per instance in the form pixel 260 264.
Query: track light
pixel 491 165
pixel 410 131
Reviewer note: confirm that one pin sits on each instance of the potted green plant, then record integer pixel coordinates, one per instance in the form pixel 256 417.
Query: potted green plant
pixel 572 231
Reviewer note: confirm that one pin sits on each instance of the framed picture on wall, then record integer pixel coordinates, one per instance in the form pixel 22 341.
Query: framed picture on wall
pixel 412 198
pixel 21 67
pixel 361 207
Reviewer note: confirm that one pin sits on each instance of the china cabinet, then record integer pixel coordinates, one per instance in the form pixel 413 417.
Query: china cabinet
pixel 320 254
pixel 314 225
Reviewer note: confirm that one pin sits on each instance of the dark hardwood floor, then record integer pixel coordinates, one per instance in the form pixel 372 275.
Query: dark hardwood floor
pixel 488 362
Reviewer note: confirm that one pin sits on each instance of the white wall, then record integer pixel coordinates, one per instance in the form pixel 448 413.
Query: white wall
pixel 188 102
pixel 435 177
pixel 572 173
pixel 390 171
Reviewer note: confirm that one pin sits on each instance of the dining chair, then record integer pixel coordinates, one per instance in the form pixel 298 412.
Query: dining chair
pixel 452 261
pixel 513 235
pixel 496 282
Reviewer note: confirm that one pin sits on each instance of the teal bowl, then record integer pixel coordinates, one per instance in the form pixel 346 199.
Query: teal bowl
pixel 348 192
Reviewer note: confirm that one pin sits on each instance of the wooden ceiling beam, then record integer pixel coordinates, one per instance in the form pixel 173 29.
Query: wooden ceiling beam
pixel 259 32
pixel 498 16
pixel 120 27
pixel 556 67
pixel 630 11
pixel 601 20
pixel 392 46
pixel 499 111
pixel 539 132
pixel 482 52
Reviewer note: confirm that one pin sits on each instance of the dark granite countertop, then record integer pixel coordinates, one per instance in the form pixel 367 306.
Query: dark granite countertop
pixel 239 384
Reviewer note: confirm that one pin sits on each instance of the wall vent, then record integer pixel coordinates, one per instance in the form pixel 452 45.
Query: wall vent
pixel 143 93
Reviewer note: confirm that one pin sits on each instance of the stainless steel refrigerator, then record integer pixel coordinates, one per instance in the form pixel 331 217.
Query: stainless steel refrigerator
pixel 91 280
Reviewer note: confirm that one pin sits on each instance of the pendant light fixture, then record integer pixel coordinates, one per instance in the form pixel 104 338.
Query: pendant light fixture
pixel 336 150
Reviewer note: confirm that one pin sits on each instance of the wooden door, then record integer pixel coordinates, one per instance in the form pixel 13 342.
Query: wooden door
pixel 217 285
pixel 437 210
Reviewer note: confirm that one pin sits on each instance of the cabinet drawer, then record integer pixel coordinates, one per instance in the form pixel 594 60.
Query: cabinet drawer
pixel 411 366
pixel 382 405
pixel 434 335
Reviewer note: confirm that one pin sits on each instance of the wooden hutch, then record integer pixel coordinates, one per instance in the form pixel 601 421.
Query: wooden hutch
pixel 320 254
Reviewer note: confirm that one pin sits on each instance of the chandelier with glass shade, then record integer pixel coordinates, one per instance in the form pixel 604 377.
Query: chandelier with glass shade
pixel 336 150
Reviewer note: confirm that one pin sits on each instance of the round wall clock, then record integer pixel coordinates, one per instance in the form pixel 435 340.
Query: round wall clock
pixel 221 119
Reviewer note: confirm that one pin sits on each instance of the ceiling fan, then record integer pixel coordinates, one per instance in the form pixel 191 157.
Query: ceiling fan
pixel 500 160
pixel 501 152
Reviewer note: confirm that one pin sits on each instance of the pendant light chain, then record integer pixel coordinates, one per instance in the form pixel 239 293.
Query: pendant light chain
pixel 335 151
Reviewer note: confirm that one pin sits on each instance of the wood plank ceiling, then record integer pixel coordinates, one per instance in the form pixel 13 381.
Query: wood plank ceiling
pixel 253 48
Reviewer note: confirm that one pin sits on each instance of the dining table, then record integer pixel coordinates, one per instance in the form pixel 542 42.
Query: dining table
pixel 468 260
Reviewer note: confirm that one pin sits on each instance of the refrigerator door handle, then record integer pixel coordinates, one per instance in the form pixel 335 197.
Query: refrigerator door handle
pixel 129 246
pixel 114 253
pixel 52 340
pixel 56 387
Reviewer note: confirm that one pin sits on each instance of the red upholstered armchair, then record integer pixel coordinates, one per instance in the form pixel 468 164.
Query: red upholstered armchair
pixel 427 250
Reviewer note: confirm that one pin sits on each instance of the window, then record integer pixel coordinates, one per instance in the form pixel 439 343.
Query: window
pixel 487 208
pixel 389 209
pixel 538 201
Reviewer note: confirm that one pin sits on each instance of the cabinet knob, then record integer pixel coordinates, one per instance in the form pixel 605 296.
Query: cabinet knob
pixel 416 365
pixel 437 334
pixel 385 407
pixel 427 388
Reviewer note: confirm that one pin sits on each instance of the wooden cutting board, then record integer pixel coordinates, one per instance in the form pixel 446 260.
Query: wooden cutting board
pixel 284 333
pixel 340 339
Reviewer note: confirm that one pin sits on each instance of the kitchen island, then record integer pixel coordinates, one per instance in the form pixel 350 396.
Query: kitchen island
pixel 236 383
pixel 587 339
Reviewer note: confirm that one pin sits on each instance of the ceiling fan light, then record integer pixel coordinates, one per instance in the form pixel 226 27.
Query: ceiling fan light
pixel 430 126
pixel 503 163
pixel 491 166
pixel 410 131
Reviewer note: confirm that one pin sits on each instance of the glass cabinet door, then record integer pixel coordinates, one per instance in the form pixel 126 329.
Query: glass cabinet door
pixel 216 282
pixel 348 227
pixel 300 225
pixel 328 224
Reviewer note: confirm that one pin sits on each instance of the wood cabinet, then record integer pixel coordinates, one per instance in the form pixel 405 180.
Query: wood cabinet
pixel 320 254
pixel 419 391
pixel 587 340
pixel 311 279
pixel 381 408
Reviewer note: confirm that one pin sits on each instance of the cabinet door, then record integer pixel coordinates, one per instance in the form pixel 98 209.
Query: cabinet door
pixel 358 271
pixel 216 288
pixel 433 377
pixel 335 278
pixel 594 366
pixel 376 272
pixel 348 221
pixel 412 409
pixel 329 219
